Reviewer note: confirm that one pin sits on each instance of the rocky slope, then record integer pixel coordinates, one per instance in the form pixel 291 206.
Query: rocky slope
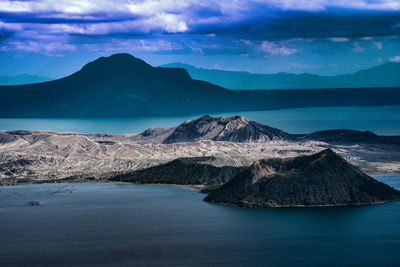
pixel 232 129
pixel 241 130
pixel 322 179
pixel 37 156
pixel 182 171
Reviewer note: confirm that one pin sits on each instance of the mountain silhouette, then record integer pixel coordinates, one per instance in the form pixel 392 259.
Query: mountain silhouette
pixel 122 85
pixel 385 75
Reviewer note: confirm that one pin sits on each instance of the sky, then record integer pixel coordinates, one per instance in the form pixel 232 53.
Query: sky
pixel 55 38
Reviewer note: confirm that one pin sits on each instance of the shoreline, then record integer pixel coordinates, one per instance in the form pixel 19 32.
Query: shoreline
pixel 200 187
pixel 303 206
pixel 88 180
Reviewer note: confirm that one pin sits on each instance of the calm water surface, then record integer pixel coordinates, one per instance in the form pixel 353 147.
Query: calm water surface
pixel 126 225
pixel 381 120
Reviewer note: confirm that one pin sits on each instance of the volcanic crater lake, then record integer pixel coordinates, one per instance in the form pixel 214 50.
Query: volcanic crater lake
pixel 383 120
pixel 81 224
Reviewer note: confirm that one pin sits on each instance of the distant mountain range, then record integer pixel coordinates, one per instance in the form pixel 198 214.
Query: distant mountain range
pixel 22 79
pixel 124 86
pixel 386 75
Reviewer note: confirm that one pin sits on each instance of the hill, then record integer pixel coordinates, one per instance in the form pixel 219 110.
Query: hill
pixel 386 75
pixel 182 171
pixel 239 129
pixel 119 85
pixel 124 86
pixel 233 129
pixel 322 179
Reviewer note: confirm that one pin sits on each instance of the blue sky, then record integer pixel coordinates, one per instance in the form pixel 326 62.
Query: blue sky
pixel 56 37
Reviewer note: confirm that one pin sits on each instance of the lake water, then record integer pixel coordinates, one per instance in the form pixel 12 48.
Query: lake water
pixel 383 120
pixel 82 224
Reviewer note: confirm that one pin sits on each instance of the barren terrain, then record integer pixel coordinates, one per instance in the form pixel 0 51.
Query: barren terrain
pixel 37 156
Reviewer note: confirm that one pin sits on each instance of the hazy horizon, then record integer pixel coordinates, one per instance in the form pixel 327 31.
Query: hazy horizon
pixel 194 65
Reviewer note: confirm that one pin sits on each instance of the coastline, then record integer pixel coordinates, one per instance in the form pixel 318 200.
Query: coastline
pixel 304 206
pixel 197 187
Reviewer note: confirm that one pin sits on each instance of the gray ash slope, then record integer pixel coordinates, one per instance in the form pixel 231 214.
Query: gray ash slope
pixel 237 129
pixel 322 179
pixel 37 156
pixel 242 130
pixel 232 129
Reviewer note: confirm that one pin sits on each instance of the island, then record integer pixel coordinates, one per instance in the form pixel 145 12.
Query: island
pixel 321 179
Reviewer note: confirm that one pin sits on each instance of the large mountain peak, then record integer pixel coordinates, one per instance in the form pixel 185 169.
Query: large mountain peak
pixel 116 63
pixel 233 129
pixel 127 67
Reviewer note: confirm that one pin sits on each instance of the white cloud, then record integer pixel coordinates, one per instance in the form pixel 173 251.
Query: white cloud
pixel 378 45
pixel 124 45
pixel 338 39
pixel 297 65
pixel 152 7
pixel 171 23
pixel 394 59
pixel 367 38
pixel 274 49
pixel 357 47
pixel 45 48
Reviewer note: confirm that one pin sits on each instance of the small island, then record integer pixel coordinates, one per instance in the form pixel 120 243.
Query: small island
pixel 321 179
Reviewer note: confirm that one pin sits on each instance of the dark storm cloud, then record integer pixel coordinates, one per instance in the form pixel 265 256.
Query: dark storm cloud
pixel 60 18
pixel 285 25
pixel 225 26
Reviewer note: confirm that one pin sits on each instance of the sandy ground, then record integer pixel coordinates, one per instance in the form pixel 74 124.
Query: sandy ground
pixel 44 155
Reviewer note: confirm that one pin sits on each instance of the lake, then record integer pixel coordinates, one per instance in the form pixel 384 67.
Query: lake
pixel 384 120
pixel 83 224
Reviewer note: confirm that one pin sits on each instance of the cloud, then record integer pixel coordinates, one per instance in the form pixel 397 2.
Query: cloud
pixel 378 45
pixel 198 25
pixel 357 47
pixel 394 59
pixel 300 66
pixel 274 49
pixel 48 48
pixel 156 6
pixel 367 38
pixel 338 39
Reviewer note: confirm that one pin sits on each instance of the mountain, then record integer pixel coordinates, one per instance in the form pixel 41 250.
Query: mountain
pixel 124 86
pixel 22 79
pixel 239 129
pixel 119 85
pixel 386 75
pixel 183 171
pixel 322 179
pixel 232 129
